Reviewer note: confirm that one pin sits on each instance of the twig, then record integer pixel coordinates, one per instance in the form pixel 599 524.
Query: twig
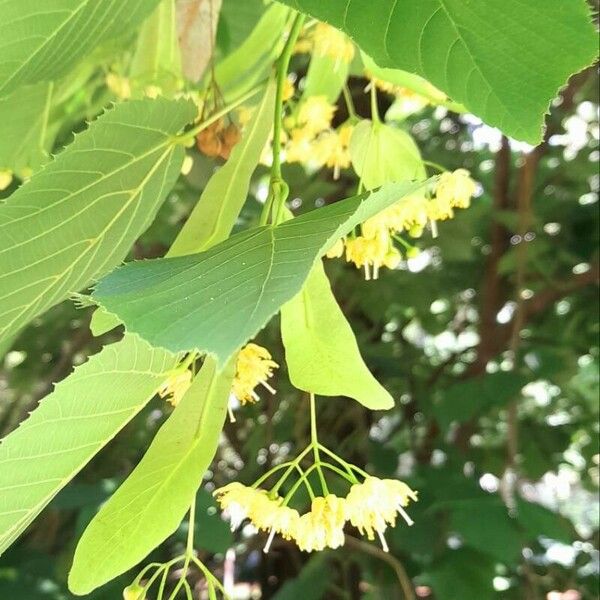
pixel 403 578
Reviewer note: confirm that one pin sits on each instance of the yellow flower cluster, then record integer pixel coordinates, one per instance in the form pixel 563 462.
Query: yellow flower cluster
pixel 254 366
pixel 371 506
pixel 329 41
pixel 374 248
pixel 324 40
pixel 176 386
pixel 313 141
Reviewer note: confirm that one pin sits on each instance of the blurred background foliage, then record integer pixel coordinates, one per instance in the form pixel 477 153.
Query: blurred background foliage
pixel 496 416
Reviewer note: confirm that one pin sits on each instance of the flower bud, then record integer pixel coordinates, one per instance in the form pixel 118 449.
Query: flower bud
pixel 134 592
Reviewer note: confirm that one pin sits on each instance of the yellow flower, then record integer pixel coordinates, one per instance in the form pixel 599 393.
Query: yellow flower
pixel 254 366
pixel 456 188
pixel 303 46
pixel 323 526
pixel 368 253
pixel 439 209
pixel 332 149
pixel 329 41
pixel 175 387
pixel 152 91
pixel 373 505
pixel 300 147
pixel 288 89
pixel 118 85
pixel 408 214
pixel 316 113
pixel 243 502
pixel 280 519
pixel 336 250
pixel 6 178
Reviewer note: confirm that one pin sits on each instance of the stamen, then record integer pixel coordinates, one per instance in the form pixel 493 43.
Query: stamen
pixel 268 387
pixel 375 271
pixel 383 542
pixel 367 273
pixel 404 515
pixel 434 229
pixel 255 396
pixel 269 541
pixel 230 413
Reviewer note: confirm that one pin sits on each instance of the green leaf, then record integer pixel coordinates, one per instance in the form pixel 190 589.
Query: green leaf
pixel 160 489
pixel 311 584
pixel 463 574
pixel 381 153
pixel 490 55
pixel 484 524
pixel 217 300
pixel 216 212
pixel 40 41
pixel 71 425
pixel 252 61
pixel 321 352
pixel 157 59
pixel 23 114
pixel 102 322
pixel 467 399
pixel 539 521
pixel 212 533
pixel 77 218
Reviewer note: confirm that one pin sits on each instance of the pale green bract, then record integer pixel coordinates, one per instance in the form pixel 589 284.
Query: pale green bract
pixel 321 352
pixel 161 487
pixel 77 218
pixel 326 76
pixel 42 40
pixel 503 59
pixel 382 153
pixel 217 300
pixel 252 61
pixel 71 425
pixel 157 59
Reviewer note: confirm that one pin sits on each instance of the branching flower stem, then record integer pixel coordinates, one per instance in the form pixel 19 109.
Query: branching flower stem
pixel 315 443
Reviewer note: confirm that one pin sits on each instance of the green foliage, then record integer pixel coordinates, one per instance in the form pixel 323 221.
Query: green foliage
pixel 74 220
pixel 321 353
pixel 71 425
pixel 160 488
pixel 161 300
pixel 40 42
pixel 463 574
pixel 483 349
pixel 462 401
pixel 492 55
